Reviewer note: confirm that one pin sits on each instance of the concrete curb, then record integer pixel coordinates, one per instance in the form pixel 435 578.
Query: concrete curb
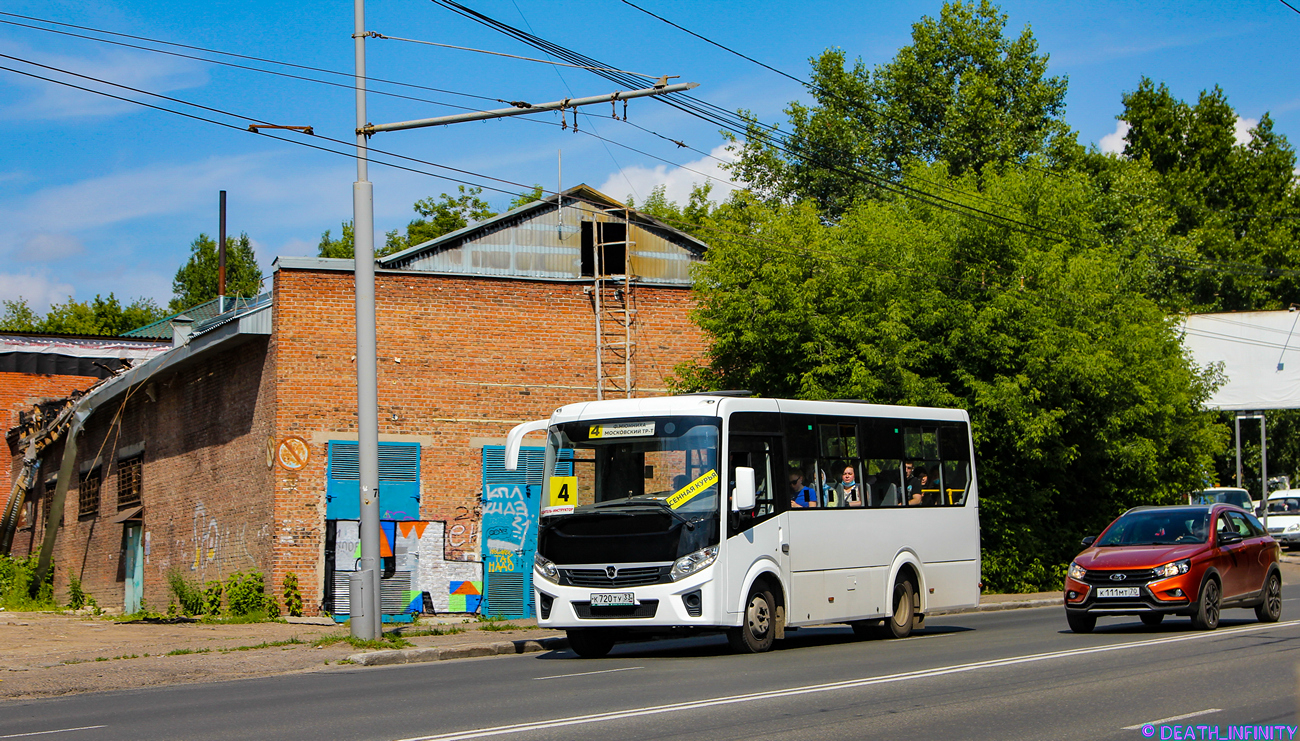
pixel 499 648
pixel 443 653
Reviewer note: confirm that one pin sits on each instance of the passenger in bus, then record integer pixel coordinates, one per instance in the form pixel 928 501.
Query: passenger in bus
pixel 912 487
pixel 801 496
pixel 847 491
pixel 930 494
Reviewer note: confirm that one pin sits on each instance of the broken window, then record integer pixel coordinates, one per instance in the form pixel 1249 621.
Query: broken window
pixel 88 493
pixel 129 475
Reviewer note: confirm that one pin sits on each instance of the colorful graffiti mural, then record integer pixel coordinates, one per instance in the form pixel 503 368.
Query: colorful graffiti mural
pixel 464 596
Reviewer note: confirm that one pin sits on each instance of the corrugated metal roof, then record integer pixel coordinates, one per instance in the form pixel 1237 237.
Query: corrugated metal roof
pixel 205 316
pixel 543 240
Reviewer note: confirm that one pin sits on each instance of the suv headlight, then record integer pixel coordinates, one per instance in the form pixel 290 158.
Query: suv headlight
pixel 1077 572
pixel 546 567
pixel 1174 569
pixel 687 565
pixel 1293 528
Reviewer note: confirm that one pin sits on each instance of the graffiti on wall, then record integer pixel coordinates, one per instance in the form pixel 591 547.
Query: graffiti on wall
pixel 506 508
pixel 464 596
pixel 462 536
pixel 416 547
pixel 206 539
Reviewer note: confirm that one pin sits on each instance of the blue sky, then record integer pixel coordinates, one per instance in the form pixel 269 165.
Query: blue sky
pixel 100 196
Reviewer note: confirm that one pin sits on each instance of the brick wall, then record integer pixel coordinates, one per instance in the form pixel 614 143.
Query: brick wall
pixel 19 392
pixel 204 485
pixel 461 361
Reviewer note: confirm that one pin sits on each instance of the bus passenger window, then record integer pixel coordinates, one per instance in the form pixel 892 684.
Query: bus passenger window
pixel 954 448
pixel 884 482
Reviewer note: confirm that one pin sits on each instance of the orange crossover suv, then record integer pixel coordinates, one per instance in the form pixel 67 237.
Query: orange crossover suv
pixel 1157 561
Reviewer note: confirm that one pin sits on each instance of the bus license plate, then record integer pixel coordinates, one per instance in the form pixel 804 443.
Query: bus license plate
pixel 1117 592
pixel 613 599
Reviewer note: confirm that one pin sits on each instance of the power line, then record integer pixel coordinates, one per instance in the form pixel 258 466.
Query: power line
pixel 377 35
pixel 348 75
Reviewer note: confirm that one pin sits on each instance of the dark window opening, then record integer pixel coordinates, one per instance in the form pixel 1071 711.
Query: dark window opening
pixel 612 238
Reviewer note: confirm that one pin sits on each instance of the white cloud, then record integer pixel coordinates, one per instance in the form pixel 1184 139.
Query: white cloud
pixel 52 101
pixel 1113 143
pixel 677 181
pixel 1241 130
pixel 37 288
pixel 47 246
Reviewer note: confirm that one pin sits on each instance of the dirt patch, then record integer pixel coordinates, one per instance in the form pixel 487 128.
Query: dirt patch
pixel 47 655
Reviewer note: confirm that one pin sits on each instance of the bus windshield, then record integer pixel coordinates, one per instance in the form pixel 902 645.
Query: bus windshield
pixel 665 462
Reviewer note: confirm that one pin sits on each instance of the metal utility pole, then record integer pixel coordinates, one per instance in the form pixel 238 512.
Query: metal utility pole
pixel 221 257
pixel 363 588
pixel 1263 457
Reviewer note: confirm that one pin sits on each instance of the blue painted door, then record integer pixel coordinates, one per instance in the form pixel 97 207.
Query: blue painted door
pixel 399 481
pixel 134 568
pixel 511 500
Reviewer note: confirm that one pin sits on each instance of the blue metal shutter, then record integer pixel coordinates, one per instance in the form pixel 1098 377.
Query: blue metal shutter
pixel 511 500
pixel 399 481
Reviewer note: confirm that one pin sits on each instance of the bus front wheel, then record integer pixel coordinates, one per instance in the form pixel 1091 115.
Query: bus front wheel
pixel 899 624
pixel 591 643
pixel 759 629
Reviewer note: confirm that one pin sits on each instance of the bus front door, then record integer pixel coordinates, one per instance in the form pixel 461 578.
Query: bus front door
pixel 755 537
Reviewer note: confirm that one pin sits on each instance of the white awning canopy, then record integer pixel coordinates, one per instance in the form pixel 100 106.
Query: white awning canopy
pixel 1259 353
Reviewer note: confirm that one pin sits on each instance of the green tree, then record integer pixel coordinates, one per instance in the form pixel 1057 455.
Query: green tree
pixel 343 247
pixel 99 316
pixel 1236 204
pixel 962 93
pixel 689 218
pixel 438 217
pixel 1081 400
pixel 529 196
pixel 196 280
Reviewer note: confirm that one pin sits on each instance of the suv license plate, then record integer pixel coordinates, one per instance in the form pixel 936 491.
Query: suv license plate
pixel 1118 592
pixel 613 599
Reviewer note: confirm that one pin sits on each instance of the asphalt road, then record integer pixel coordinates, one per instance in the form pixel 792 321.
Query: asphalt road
pixel 1018 674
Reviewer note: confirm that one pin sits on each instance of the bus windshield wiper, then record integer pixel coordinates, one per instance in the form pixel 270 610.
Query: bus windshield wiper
pixel 640 503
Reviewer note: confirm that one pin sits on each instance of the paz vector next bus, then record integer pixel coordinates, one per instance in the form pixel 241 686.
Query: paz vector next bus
pixel 717 512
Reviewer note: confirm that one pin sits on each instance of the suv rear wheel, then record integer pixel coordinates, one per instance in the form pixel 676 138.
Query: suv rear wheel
pixel 1270 610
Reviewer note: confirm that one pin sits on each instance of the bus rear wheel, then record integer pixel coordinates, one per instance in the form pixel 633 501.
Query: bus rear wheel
pixel 759 629
pixel 899 624
pixel 591 643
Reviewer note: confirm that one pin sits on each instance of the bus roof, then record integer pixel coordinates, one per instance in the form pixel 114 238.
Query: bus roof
pixel 721 404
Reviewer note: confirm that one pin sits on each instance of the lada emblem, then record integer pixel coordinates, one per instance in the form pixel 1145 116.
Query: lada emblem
pixel 1118 577
pixel 611 572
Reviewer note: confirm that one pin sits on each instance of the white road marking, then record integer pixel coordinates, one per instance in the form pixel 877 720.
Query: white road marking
pixel 932 635
pixel 833 686
pixel 57 730
pixel 584 674
pixel 1171 718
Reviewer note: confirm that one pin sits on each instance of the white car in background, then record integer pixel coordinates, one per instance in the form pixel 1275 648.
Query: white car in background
pixel 1227 494
pixel 1284 517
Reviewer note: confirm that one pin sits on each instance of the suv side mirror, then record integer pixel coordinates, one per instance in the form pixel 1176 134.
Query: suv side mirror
pixel 742 497
pixel 1088 540
pixel 1228 537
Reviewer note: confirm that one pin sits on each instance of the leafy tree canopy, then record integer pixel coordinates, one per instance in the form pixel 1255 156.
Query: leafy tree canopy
pixel 689 218
pixel 1081 400
pixel 1237 204
pixel 99 316
pixel 196 280
pixel 442 216
pixel 962 93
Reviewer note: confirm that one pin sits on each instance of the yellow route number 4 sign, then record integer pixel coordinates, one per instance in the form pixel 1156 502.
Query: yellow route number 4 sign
pixel 563 496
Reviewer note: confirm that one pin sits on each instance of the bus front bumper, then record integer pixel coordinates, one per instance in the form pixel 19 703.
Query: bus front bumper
pixel 694 602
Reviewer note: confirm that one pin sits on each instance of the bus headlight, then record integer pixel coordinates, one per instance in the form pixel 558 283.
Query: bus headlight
pixel 687 565
pixel 546 567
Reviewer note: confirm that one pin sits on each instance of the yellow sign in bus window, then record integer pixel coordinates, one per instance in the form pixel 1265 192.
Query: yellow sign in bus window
pixel 563 495
pixel 688 492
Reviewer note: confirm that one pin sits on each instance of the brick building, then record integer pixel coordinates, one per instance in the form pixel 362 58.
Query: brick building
pixel 236 450
pixel 38 370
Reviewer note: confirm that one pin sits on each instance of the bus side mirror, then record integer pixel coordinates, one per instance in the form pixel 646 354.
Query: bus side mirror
pixel 742 497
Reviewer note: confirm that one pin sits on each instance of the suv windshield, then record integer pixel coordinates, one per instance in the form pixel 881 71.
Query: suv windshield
pixel 665 462
pixel 1284 506
pixel 1158 527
